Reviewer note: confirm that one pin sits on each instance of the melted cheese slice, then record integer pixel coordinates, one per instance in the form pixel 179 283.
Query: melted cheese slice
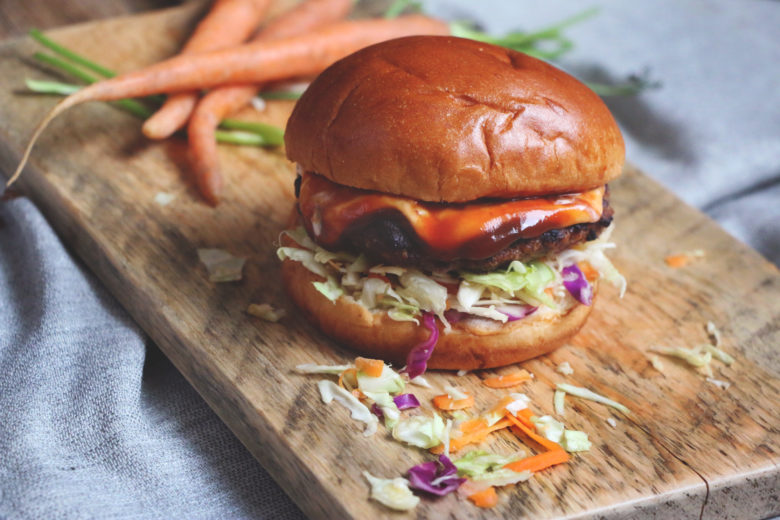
pixel 469 230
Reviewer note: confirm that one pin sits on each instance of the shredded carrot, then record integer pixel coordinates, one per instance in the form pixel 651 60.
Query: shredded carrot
pixel 508 380
pixel 370 367
pixel 485 498
pixel 473 425
pixel 539 462
pixel 350 373
pixel 547 443
pixel 587 269
pixel 500 407
pixel 524 416
pixel 683 259
pixel 445 402
pixel 438 449
pixel 477 436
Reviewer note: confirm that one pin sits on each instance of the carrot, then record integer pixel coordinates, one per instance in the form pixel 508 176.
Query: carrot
pixel 547 443
pixel 255 62
pixel 223 101
pixel 229 22
pixel 524 416
pixel 370 367
pixel 508 380
pixel 587 269
pixel 477 435
pixel 445 402
pixel 539 462
pixel 349 376
pixel 473 425
pixel 683 259
pixel 485 498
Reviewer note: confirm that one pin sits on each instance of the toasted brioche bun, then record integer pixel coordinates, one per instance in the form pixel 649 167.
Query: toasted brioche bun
pixel 447 119
pixel 469 345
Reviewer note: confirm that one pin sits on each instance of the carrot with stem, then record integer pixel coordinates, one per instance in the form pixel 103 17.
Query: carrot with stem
pixel 223 101
pixel 257 62
pixel 228 23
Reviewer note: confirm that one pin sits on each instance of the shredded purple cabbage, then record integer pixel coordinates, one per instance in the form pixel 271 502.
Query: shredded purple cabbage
pixel 437 478
pixel 417 360
pixel 577 285
pixel 516 312
pixel 406 401
pixel 377 411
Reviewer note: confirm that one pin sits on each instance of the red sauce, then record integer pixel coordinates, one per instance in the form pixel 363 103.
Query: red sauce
pixel 469 230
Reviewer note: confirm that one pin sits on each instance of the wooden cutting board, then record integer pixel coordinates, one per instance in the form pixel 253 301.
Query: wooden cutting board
pixel 688 449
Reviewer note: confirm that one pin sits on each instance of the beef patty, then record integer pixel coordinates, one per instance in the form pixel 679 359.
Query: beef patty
pixel 388 238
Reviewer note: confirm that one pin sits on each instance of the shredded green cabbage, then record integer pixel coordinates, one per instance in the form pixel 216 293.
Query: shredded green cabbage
pixel 593 396
pixel 360 412
pixel 385 403
pixel 392 492
pixel 478 463
pixel 329 288
pixel 421 431
pixel 404 294
pixel 548 427
pixel 558 402
pixel 574 440
pixel 388 381
pixel 312 368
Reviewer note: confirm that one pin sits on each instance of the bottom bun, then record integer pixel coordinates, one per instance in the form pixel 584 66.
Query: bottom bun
pixel 470 344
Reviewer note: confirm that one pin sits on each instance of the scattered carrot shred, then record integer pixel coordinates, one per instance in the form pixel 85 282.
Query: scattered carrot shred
pixel 437 450
pixel 677 261
pixel 473 425
pixel 370 367
pixel 500 407
pixel 445 402
pixel 683 259
pixel 524 416
pixel 485 498
pixel 477 435
pixel 587 269
pixel 507 381
pixel 350 372
pixel 547 443
pixel 539 462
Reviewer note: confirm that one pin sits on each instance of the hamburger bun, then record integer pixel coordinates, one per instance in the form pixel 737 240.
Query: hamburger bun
pixel 447 119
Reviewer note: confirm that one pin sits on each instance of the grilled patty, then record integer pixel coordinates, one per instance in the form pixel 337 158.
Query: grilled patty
pixel 387 237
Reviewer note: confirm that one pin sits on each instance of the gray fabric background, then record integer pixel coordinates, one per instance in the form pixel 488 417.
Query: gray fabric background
pixel 95 422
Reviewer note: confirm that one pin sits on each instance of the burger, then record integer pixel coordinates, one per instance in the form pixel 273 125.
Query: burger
pixel 452 203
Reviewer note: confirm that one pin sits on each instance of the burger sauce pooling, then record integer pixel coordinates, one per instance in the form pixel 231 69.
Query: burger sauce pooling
pixel 474 230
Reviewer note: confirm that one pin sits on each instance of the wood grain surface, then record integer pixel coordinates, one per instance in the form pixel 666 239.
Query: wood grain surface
pixel 688 449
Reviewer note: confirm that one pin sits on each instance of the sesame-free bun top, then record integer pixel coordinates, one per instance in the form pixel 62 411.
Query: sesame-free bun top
pixel 447 119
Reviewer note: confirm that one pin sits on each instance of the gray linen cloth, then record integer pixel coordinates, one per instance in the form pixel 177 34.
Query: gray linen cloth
pixel 95 422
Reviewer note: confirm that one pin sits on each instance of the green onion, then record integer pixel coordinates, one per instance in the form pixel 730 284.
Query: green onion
pixel 51 87
pixel 399 6
pixel 281 94
pixel 272 135
pixel 67 53
pixel 252 134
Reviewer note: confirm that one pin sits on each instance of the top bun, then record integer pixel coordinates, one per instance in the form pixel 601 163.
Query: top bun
pixel 447 119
